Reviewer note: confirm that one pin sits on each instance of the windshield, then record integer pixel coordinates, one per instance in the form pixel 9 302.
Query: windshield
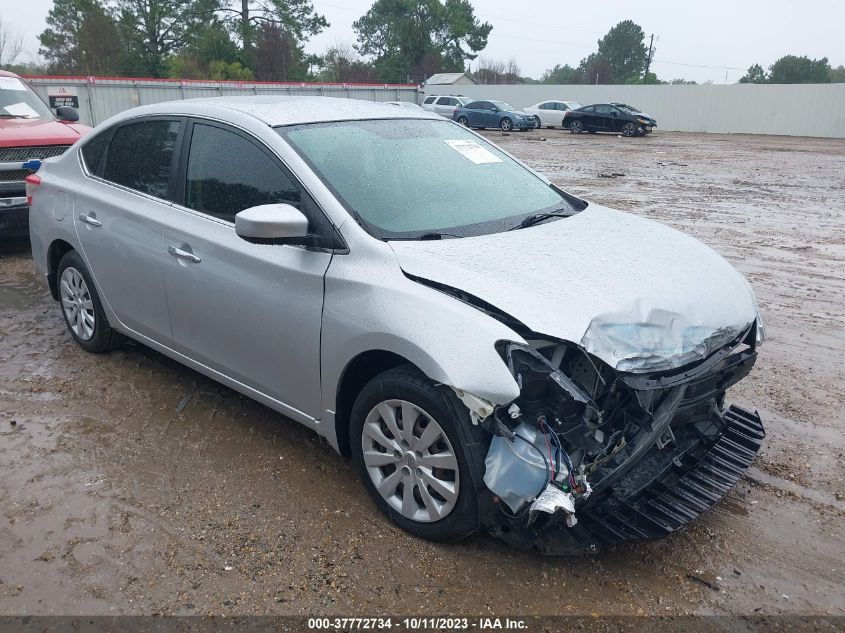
pixel 17 101
pixel 413 178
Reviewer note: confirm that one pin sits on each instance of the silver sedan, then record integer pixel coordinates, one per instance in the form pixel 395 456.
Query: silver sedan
pixel 492 352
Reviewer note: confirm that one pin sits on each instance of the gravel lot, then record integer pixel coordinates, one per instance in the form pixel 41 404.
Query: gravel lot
pixel 111 502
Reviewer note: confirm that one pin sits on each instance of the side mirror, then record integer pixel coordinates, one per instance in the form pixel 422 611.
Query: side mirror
pixel 495 109
pixel 66 113
pixel 271 222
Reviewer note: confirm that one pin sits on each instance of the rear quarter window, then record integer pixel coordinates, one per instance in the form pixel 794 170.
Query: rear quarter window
pixel 93 152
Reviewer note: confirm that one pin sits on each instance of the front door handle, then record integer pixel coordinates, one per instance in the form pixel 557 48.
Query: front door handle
pixel 89 219
pixel 181 254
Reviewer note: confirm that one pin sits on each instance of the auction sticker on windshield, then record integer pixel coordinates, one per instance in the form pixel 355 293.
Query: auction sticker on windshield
pixel 11 83
pixel 473 151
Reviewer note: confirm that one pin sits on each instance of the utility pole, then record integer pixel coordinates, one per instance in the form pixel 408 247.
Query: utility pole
pixel 648 59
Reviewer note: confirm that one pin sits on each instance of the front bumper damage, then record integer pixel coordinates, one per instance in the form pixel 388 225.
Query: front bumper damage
pixel 640 456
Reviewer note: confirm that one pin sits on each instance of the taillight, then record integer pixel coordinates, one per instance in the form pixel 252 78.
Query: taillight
pixel 32 181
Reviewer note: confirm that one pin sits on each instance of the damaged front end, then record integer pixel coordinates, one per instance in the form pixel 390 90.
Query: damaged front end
pixel 588 455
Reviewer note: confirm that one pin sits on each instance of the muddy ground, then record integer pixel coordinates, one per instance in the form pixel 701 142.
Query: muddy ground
pixel 113 502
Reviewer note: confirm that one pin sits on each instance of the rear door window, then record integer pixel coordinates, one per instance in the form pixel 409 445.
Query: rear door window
pixel 429 99
pixel 140 156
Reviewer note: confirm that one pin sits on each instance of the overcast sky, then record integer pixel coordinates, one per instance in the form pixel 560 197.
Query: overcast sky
pixel 732 34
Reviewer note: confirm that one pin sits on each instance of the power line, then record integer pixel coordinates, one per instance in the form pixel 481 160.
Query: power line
pixel 660 61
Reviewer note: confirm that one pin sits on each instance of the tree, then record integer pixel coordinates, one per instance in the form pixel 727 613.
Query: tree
pixel 755 75
pixel 208 43
pixel 563 75
pixel 837 75
pixel 799 70
pixel 11 44
pixel 341 64
pixel 154 30
pixel 277 55
pixel 683 82
pixel 494 72
pixel 624 50
pixel 412 39
pixel 650 78
pixel 596 69
pixel 297 18
pixel 82 38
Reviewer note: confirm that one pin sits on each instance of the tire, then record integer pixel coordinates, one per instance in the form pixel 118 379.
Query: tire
pixel 81 306
pixel 404 390
pixel 463 121
pixel 629 129
pixel 576 127
pixel 539 123
pixel 506 124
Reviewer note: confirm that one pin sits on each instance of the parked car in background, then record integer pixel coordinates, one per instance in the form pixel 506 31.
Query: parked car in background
pixel 484 114
pixel 445 105
pixel 405 104
pixel 502 381
pixel 552 113
pixel 29 132
pixel 606 117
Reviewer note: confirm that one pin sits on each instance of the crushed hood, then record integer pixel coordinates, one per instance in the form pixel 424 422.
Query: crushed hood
pixel 637 294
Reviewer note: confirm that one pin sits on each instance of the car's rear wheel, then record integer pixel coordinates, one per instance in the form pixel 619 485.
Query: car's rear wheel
pixel 538 123
pixel 629 129
pixel 576 127
pixel 506 124
pixel 463 121
pixel 408 449
pixel 81 306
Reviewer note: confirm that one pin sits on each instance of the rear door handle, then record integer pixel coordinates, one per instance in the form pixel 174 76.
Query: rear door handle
pixel 182 254
pixel 89 219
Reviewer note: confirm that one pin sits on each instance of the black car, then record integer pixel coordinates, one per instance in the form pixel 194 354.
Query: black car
pixel 618 118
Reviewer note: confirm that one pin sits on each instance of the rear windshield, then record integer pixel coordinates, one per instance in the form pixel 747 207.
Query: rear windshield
pixel 411 178
pixel 17 101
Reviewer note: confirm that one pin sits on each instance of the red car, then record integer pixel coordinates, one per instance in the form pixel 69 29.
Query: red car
pixel 29 133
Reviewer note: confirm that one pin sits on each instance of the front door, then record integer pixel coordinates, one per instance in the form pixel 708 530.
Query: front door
pixel 250 311
pixel 120 217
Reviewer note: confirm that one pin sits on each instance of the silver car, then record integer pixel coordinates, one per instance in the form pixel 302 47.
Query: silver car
pixel 491 351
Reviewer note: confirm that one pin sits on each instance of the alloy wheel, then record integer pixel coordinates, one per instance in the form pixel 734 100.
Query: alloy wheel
pixel 77 303
pixel 629 129
pixel 506 125
pixel 410 461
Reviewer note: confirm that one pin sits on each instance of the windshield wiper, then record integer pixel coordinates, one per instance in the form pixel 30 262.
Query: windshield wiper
pixel 531 220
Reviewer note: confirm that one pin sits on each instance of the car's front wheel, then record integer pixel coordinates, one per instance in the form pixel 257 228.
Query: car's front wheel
pixel 408 449
pixel 506 124
pixel 81 306
pixel 629 129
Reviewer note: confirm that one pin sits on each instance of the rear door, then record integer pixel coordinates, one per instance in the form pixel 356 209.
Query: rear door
pixel 119 218
pixel 249 311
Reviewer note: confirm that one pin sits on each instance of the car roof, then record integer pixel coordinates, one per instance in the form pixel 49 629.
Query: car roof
pixel 275 110
pixel 6 73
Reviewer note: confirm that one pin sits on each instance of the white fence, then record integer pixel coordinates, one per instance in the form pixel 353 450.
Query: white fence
pixel 99 98
pixel 790 109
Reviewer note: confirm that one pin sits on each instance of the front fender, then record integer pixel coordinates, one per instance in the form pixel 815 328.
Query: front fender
pixel 451 342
